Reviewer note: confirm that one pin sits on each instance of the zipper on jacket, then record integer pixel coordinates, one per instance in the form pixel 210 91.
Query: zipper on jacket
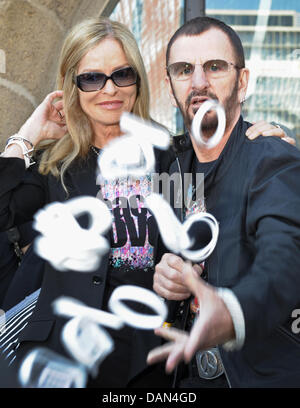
pixel 182 191
pixel 218 347
pixel 182 219
pixel 225 372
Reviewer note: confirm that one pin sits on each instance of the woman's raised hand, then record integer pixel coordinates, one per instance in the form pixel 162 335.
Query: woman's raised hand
pixel 47 121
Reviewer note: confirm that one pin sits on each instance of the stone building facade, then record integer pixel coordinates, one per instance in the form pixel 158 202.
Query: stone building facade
pixel 31 35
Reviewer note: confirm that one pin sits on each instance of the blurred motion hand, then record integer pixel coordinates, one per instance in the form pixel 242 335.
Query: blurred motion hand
pixel 213 326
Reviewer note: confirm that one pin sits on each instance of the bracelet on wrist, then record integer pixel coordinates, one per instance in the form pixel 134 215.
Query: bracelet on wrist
pixel 27 153
pixel 21 138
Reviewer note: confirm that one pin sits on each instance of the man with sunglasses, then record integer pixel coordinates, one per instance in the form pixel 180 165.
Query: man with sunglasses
pixel 241 326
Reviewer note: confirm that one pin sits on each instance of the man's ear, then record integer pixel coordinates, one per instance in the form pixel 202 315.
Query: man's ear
pixel 170 89
pixel 243 83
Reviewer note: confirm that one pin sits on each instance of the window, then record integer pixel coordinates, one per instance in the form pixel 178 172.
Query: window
pixel 274 98
pixel 153 22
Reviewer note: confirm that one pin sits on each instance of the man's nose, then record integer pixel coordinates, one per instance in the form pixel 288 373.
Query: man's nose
pixel 199 79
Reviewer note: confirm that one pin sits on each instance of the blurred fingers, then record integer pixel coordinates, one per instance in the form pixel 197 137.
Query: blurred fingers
pixel 290 140
pixel 171 333
pixel 175 357
pixel 173 351
pixel 198 269
pixel 159 353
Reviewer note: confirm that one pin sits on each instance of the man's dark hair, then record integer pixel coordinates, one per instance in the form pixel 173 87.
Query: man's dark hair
pixel 199 25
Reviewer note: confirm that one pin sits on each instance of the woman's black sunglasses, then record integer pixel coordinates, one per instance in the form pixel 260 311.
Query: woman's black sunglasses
pixel 94 81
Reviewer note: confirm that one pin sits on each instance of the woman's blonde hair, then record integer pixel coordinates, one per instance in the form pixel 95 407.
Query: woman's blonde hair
pixel 58 156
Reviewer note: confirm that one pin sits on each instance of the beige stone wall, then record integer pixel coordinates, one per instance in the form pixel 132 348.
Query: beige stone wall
pixel 31 35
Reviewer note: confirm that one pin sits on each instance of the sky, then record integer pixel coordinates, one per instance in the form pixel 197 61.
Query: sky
pixel 252 4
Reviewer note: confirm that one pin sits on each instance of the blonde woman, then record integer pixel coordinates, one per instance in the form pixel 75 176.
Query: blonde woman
pixel 101 75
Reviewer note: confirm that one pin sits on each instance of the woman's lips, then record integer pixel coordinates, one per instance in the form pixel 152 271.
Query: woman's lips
pixel 111 105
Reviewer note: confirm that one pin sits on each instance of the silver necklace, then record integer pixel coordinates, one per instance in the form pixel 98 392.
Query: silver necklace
pixel 95 151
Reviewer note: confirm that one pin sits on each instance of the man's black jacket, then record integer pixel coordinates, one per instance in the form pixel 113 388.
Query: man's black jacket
pixel 253 190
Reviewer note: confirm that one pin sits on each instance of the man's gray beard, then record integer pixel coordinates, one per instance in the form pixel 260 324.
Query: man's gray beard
pixel 208 125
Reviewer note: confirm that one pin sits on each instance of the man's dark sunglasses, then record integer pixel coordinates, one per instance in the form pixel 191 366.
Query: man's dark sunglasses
pixel 94 81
